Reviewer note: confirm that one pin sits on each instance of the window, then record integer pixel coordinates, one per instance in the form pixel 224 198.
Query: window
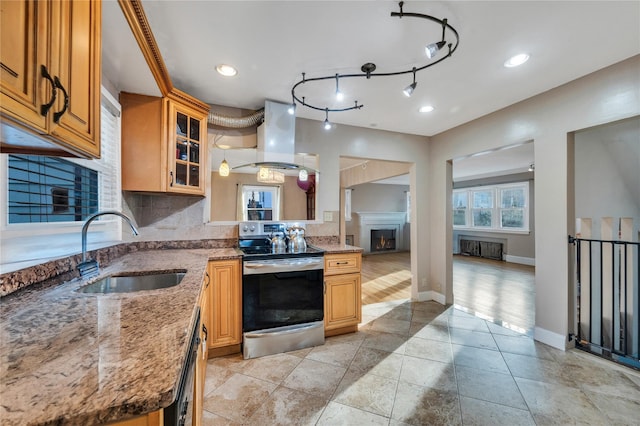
pixel 260 202
pixel 50 189
pixel 460 204
pixel 493 208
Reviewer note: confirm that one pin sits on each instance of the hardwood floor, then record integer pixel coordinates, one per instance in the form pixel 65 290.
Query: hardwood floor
pixel 386 277
pixel 499 291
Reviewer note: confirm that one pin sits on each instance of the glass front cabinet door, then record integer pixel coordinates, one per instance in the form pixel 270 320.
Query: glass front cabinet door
pixel 187 140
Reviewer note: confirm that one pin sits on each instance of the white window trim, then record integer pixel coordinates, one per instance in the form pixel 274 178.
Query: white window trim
pixel 27 244
pixel 496 209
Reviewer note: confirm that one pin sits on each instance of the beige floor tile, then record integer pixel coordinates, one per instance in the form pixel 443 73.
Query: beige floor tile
pixel 552 403
pixel 341 415
pixel 239 397
pixel 385 342
pixel 489 386
pixel 431 331
pixel 483 413
pixel 478 339
pixel 216 375
pixel 380 363
pixel 314 377
pixel 621 411
pixel 538 369
pixel 522 345
pixel 482 359
pixel 428 373
pixel 429 306
pixel 391 325
pixel 289 407
pixel 273 368
pixel 467 322
pixel 429 349
pixel 354 338
pixel 417 405
pixel 210 419
pixel 340 354
pixel 504 330
pixel 367 392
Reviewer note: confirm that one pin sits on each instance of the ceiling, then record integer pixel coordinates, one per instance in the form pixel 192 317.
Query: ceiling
pixel 272 42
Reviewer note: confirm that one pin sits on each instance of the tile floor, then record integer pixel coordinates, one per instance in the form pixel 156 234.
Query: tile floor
pixel 422 364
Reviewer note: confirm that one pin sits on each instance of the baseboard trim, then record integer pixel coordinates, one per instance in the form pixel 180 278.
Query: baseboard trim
pixel 531 261
pixel 425 296
pixel 550 338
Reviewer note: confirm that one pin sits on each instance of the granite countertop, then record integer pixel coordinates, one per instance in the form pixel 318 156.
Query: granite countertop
pixel 75 358
pixel 331 248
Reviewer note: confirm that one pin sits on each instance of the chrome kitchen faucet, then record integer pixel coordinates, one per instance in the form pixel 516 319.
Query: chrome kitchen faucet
pixel 90 267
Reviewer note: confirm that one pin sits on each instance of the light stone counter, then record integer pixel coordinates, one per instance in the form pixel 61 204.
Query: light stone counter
pixel 83 359
pixel 331 248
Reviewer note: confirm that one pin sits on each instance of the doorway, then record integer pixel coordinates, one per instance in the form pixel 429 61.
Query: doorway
pixel 375 207
pixel 492 207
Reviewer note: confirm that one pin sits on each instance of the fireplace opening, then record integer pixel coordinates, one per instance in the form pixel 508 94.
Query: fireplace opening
pixel 383 240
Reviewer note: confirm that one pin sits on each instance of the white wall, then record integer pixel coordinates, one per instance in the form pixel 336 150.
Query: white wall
pixel 608 95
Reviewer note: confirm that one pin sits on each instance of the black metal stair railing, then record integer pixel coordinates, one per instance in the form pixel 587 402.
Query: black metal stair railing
pixel 608 298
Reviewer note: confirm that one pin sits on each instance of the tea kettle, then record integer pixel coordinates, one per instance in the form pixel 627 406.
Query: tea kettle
pixel 297 243
pixel 278 244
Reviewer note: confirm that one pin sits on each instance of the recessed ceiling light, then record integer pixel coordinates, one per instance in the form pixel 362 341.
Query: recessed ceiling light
pixel 226 70
pixel 426 108
pixel 516 60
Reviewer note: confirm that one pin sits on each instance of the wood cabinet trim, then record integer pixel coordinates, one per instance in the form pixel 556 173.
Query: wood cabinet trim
pixel 137 19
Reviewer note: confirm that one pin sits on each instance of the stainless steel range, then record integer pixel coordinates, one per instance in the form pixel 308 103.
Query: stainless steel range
pixel 282 291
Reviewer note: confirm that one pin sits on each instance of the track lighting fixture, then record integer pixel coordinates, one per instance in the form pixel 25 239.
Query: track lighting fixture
pixel 339 94
pixel 327 124
pixel 367 70
pixel 532 167
pixel 408 91
pixel 303 175
pixel 432 49
pixel 292 109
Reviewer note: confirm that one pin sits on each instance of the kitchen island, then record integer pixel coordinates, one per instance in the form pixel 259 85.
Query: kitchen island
pixel 74 358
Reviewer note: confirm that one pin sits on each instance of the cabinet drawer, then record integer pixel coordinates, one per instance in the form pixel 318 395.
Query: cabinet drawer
pixel 343 263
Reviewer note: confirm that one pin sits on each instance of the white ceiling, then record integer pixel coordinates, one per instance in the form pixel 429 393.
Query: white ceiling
pixel 273 42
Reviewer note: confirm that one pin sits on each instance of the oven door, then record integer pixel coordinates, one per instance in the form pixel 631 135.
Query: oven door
pixel 282 292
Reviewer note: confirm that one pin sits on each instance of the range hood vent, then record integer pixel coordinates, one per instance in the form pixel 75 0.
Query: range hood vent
pixel 276 135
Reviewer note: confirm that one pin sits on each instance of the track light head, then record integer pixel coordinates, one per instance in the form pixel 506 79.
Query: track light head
pixel 432 49
pixel 408 91
pixel 292 109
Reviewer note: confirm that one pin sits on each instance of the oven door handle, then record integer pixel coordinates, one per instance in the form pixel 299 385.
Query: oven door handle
pixel 283 265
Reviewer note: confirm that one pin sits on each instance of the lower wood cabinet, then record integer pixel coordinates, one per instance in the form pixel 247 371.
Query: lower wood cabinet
pixel 152 419
pixel 203 350
pixel 342 299
pixel 225 291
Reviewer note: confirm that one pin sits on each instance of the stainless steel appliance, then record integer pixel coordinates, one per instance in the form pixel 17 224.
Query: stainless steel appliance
pixel 180 412
pixel 282 293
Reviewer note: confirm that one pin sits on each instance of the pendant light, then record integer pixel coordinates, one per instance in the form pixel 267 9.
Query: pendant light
pixel 327 123
pixel 223 170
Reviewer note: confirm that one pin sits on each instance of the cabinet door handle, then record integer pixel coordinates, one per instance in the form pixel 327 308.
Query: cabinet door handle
pixel 59 114
pixel 324 287
pixel 342 263
pixel 206 274
pixel 171 179
pixel 206 333
pixel 44 108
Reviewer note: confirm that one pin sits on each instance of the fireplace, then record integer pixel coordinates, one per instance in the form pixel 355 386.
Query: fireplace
pixel 379 232
pixel 383 240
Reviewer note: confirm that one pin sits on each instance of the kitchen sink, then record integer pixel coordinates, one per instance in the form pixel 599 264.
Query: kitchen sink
pixel 129 283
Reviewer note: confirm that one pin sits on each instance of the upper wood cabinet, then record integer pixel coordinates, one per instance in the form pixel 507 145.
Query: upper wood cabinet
pixel 50 77
pixel 164 145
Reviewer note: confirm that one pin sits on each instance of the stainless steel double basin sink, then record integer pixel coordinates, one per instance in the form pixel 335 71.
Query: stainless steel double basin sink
pixel 130 283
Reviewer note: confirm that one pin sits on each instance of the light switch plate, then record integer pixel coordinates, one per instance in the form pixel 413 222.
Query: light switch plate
pixel 328 216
